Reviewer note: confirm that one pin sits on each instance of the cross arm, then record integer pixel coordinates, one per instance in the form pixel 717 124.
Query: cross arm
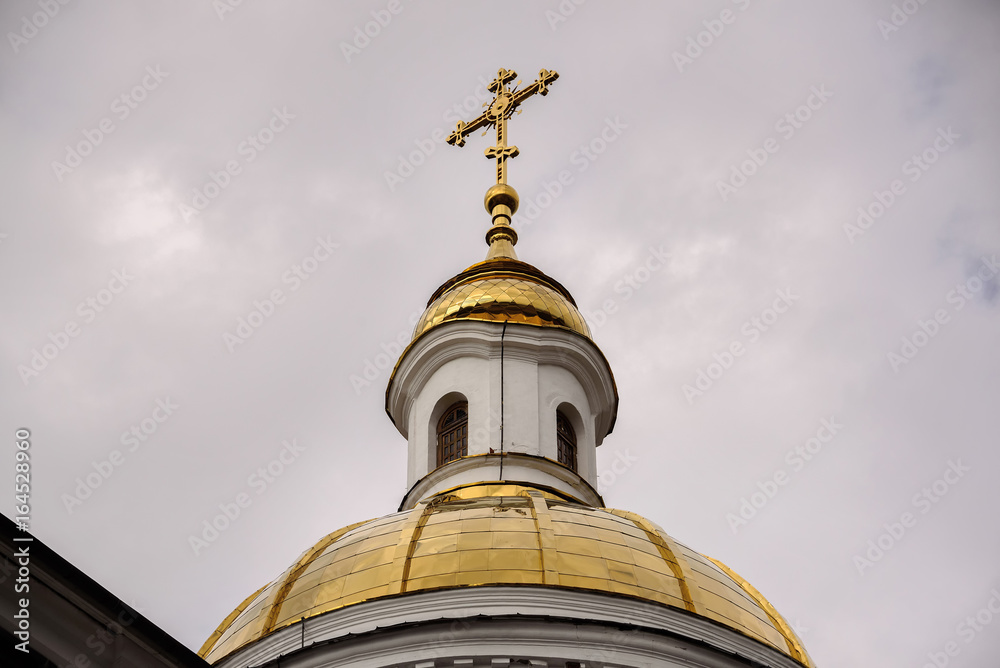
pixel 462 129
pixel 540 86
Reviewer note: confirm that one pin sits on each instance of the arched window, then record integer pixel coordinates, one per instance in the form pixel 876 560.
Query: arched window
pixel 566 439
pixel 453 433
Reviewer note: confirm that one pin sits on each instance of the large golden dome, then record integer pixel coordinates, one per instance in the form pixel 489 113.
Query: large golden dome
pixel 492 534
pixel 499 290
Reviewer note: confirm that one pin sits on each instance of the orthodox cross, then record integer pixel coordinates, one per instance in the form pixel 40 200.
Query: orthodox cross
pixel 502 107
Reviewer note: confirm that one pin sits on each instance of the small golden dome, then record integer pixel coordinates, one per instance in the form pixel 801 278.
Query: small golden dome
pixel 487 534
pixel 501 290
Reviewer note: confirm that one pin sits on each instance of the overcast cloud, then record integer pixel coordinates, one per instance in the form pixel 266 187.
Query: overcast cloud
pixel 328 136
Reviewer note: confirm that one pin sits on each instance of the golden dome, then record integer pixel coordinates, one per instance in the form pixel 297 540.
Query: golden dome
pixel 503 534
pixel 503 289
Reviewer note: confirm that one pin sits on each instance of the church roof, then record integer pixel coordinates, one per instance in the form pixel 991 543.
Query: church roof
pixel 503 534
pixel 499 290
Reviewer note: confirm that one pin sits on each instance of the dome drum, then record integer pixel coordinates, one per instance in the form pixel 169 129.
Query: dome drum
pixel 514 380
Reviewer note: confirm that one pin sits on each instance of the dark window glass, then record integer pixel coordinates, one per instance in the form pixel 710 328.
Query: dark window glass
pixel 453 433
pixel 566 439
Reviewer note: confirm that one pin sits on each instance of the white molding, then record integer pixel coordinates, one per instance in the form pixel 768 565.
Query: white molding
pixel 504 621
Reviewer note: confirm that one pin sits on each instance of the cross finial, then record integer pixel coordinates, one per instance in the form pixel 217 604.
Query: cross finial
pixel 502 107
pixel 501 199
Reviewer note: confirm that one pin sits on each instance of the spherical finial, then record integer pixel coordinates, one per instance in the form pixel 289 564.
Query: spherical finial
pixel 501 201
pixel 501 195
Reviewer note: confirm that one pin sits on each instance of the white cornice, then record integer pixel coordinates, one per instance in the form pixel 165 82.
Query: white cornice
pixel 470 338
pixel 605 629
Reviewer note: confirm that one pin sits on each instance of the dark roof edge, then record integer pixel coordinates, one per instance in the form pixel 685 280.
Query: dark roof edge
pixel 73 585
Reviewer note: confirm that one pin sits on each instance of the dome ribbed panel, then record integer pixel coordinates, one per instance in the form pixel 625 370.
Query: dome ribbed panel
pixel 503 534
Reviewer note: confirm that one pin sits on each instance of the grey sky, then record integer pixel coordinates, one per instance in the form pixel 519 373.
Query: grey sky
pixel 673 130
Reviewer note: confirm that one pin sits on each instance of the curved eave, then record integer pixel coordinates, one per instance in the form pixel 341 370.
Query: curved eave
pixel 802 659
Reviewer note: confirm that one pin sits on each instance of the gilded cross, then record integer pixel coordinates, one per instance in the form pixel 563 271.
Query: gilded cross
pixel 505 102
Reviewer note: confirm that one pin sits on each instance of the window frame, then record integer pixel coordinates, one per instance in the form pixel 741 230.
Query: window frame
pixel 460 429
